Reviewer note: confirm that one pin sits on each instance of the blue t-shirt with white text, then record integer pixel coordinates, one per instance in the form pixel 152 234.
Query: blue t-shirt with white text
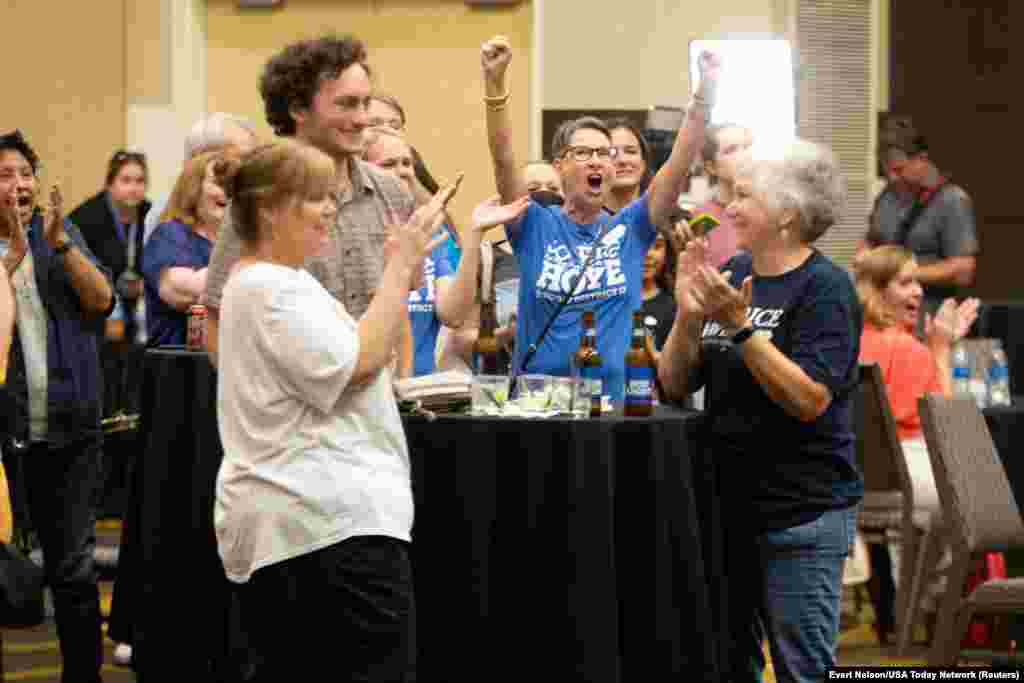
pixel 422 311
pixel 551 250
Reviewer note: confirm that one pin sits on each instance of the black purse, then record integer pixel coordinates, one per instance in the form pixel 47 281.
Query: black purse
pixel 21 589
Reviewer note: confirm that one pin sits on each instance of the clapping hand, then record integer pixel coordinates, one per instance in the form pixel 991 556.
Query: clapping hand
pixel 492 213
pixel 723 303
pixel 950 322
pixel 967 313
pixel 689 297
pixel 54 220
pixel 408 244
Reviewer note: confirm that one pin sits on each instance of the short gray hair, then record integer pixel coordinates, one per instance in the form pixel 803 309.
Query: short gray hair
pixel 805 178
pixel 210 132
pixel 563 134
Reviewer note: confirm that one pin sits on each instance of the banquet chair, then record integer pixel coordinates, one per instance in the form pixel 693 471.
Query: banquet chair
pixel 983 514
pixel 889 501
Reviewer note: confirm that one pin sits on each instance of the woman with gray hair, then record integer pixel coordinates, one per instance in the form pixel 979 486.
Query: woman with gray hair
pixel 775 337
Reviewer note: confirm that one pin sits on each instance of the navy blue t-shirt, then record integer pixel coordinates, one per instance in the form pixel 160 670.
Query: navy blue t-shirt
pixel 172 245
pixel 423 313
pixel 784 472
pixel 551 250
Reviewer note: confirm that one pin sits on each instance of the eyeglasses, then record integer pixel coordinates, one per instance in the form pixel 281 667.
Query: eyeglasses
pixel 394 124
pixel 583 153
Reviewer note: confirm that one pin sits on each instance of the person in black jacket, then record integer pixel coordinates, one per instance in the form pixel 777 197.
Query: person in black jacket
pixel 111 222
pixel 53 382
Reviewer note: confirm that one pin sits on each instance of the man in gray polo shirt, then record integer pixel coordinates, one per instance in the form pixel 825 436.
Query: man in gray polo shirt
pixel 318 91
pixel 921 210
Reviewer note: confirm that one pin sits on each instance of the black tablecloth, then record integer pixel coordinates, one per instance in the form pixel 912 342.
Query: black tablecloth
pixel 178 594
pixel 566 550
pixel 1007 427
pixel 569 550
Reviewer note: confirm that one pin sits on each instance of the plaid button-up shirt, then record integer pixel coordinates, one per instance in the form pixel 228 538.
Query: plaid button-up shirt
pixel 351 266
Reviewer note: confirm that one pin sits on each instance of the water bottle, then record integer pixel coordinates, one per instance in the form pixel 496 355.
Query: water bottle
pixel 960 363
pixel 998 377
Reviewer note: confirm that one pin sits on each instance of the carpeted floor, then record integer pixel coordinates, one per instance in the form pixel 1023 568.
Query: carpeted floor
pixel 33 654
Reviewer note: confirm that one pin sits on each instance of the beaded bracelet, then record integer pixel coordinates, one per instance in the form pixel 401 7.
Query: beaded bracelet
pixel 498 99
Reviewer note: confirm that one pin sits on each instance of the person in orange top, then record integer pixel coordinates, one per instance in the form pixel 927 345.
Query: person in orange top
pixel 891 295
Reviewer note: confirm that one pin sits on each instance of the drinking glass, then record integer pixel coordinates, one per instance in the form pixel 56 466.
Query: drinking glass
pixel 488 394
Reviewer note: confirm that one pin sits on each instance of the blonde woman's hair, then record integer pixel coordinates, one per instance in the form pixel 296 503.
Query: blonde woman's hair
pixel 270 176
pixel 875 270
pixel 188 190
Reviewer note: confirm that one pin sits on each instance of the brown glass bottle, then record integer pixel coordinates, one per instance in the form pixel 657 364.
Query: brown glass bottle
pixel 639 373
pixel 486 354
pixel 589 364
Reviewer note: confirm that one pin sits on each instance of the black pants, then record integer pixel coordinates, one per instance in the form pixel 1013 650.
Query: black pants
pixel 59 486
pixel 345 612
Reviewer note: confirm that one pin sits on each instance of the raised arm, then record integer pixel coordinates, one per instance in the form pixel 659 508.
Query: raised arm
pixel 670 182
pixel 93 287
pixel 495 56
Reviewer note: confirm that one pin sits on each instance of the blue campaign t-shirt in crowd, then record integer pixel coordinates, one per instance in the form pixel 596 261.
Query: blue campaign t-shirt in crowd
pixel 552 250
pixel 172 245
pixel 422 310
pixel 785 472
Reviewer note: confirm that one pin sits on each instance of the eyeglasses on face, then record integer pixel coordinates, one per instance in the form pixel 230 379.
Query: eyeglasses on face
pixel 583 153
pixel 392 123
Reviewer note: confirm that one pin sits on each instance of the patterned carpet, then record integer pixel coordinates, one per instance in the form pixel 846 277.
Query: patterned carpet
pixel 33 654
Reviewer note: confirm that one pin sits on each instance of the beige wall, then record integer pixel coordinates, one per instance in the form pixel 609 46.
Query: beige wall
pixel 68 98
pixel 427 54
pixel 166 83
pixel 636 54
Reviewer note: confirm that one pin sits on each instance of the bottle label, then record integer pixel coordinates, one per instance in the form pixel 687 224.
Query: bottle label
pixel 961 372
pixel 997 373
pixel 639 386
pixel 592 381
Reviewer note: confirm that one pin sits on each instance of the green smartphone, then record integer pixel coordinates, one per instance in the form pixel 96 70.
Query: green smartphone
pixel 704 223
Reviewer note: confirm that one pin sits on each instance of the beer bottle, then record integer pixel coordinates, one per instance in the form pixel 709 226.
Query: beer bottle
pixel 486 356
pixel 587 362
pixel 639 373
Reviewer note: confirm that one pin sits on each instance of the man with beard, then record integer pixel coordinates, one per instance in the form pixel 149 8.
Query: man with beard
pixel 319 92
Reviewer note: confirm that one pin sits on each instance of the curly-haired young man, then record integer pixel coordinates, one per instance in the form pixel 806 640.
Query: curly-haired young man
pixel 319 91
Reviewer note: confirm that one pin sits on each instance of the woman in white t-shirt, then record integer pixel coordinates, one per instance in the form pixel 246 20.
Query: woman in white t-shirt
pixel 314 502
